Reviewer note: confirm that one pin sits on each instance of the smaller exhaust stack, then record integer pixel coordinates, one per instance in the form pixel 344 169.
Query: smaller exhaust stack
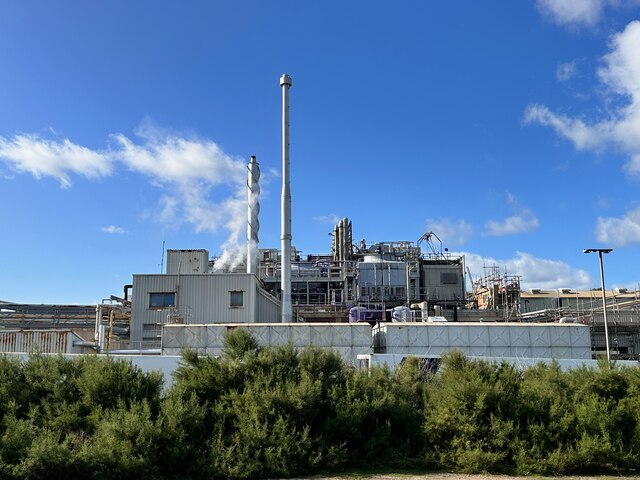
pixel 253 210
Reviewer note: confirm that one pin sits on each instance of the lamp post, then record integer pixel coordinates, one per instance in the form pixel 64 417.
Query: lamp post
pixel 604 301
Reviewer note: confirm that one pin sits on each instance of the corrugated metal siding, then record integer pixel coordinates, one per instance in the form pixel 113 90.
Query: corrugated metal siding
pixel 187 261
pixel 38 341
pixel 435 290
pixel 268 309
pixel 205 297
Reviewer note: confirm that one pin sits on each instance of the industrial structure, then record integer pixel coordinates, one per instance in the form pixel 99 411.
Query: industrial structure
pixel 363 298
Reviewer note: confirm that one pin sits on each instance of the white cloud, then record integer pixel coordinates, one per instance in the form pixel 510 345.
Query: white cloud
pixel 583 136
pixel 522 221
pixel 451 232
pixel 113 229
pixel 49 158
pixel 330 219
pixel 201 184
pixel 572 12
pixel 534 272
pixel 173 159
pixel 619 231
pixel 620 73
pixel 566 71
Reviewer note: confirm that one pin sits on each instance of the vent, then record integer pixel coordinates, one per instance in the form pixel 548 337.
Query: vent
pixel 447 278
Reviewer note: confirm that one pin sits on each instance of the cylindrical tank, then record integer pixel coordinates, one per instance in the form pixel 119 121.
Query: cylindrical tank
pixel 401 314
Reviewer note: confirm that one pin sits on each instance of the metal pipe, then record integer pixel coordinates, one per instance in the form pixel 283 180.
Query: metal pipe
pixel 253 209
pixel 339 241
pixel 138 351
pixel 285 237
pixel 126 291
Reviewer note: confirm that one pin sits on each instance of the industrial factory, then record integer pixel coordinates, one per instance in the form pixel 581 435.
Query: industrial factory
pixel 364 299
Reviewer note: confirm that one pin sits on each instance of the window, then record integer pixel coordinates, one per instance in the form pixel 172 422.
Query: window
pixel 162 300
pixel 236 299
pixel 449 278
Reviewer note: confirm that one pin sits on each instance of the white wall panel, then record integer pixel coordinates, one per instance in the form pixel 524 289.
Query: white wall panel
pixel 478 335
pixel 561 337
pixel 540 336
pixel 438 335
pixel 499 336
pixel 300 335
pixel 482 351
pixel 278 336
pixel 500 351
pixel 459 337
pixel 209 338
pixel 541 352
pixel 519 336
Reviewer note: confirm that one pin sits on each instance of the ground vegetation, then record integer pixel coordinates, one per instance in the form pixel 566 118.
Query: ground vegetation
pixel 280 412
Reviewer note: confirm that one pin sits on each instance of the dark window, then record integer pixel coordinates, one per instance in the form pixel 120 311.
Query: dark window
pixel 162 300
pixel 236 299
pixel 449 278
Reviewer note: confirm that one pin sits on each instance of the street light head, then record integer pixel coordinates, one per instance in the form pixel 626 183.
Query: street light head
pixel 600 250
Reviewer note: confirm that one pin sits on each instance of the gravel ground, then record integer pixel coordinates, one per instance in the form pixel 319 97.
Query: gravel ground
pixel 457 476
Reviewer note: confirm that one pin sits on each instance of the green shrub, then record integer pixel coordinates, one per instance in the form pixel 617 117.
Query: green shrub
pixel 278 412
pixel 471 414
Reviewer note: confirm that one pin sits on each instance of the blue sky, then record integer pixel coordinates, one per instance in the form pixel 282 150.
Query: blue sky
pixel 509 128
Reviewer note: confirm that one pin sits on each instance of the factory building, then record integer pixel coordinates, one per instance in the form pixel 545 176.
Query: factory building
pixel 373 279
pixel 395 297
pixel 190 294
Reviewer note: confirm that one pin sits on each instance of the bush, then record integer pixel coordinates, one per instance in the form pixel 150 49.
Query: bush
pixel 278 412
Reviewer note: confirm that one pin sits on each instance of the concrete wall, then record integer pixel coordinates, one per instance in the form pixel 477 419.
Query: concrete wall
pixel 349 340
pixel 485 339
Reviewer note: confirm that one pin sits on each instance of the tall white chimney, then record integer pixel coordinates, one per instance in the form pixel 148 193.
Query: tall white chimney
pixel 285 237
pixel 253 210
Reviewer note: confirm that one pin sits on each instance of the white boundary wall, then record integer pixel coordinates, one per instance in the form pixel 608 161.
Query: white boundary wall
pixel 541 340
pixel 349 340
pixel 393 360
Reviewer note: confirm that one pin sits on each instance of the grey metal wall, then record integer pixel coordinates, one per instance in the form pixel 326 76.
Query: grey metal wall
pixel 200 299
pixel 268 308
pixel 187 261
pixel 435 290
